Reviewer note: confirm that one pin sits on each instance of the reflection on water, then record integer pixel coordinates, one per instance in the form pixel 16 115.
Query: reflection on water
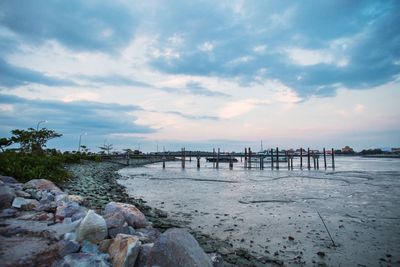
pixel 259 209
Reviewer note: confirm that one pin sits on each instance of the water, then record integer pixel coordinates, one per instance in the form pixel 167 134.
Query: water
pixel 259 209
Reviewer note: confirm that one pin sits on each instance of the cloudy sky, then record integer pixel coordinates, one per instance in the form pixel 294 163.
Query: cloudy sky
pixel 203 74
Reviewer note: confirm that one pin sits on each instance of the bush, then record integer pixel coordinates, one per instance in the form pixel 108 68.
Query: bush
pixel 50 166
pixel 27 166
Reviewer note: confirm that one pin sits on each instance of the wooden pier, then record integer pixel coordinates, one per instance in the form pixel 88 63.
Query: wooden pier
pixel 260 160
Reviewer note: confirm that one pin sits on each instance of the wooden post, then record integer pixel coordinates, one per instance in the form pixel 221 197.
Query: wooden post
pixel 324 158
pixel 333 158
pixel 277 158
pixel 272 159
pixel 230 162
pixel 163 163
pixel 317 161
pixel 183 158
pixel 214 158
pixel 245 157
pixel 249 159
pixel 261 162
pixel 301 158
pixel 291 161
pixel 198 160
pixel 218 159
pixel 308 158
pixel 190 158
pixel 288 160
pixel 314 161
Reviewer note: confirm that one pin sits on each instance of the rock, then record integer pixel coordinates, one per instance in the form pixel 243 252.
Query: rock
pixel 66 247
pixel 23 194
pixel 89 247
pixel 83 260
pixel 93 228
pixel 143 255
pixel 47 205
pixel 104 245
pixel 75 198
pixel 8 213
pixel 176 247
pixel 47 196
pixel 133 216
pixel 42 184
pixel 24 203
pixel 37 216
pixel 70 236
pixel 149 235
pixel 114 220
pixel 113 232
pixel 216 259
pixel 7 196
pixel 124 250
pixel 8 179
pixel 69 209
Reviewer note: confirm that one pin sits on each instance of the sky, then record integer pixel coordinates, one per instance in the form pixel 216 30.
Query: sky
pixel 202 74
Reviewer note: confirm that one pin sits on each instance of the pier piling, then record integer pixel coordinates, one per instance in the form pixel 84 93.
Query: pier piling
pixel 218 158
pixel 277 158
pixel 308 158
pixel 249 159
pixel 301 158
pixel 272 159
pixel 333 158
pixel 324 158
pixel 245 157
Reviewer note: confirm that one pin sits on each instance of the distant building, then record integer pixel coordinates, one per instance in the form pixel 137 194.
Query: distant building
pixel 347 150
pixel 396 150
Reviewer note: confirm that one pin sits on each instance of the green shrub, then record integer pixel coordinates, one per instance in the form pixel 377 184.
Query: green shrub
pixel 27 166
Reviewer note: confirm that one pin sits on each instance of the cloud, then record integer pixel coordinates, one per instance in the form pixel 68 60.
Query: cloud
pixel 13 76
pixel 237 108
pixel 70 117
pixel 240 40
pixel 113 79
pixel 92 25
pixel 197 89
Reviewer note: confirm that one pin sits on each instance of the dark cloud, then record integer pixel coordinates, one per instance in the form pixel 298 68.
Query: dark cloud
pixel 79 25
pixel 13 76
pixel 71 117
pixel 368 26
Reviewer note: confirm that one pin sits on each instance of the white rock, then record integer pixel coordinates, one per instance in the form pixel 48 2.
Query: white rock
pixel 92 228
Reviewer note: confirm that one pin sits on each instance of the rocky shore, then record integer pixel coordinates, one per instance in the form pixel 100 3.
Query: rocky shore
pixel 91 221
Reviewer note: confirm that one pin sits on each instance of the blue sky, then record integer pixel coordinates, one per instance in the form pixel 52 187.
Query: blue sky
pixel 203 74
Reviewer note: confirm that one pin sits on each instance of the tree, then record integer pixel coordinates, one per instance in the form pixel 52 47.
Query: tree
pixel 32 140
pixel 4 142
pixel 106 147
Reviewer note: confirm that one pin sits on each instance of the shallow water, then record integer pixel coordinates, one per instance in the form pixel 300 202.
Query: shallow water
pixel 259 209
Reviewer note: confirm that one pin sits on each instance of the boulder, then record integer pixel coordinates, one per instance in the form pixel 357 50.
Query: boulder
pixel 66 247
pixel 83 260
pixel 8 179
pixel 42 184
pixel 143 256
pixel 147 235
pixel 37 216
pixel 7 196
pixel 133 216
pixel 25 203
pixel 70 209
pixel 124 250
pixel 92 228
pixel 47 205
pixel 114 220
pixel 176 247
pixel 104 245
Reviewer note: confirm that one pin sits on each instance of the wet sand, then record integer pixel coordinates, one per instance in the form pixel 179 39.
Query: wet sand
pixel 275 213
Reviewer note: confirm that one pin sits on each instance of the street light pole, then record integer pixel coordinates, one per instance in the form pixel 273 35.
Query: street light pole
pixel 80 138
pixel 39 122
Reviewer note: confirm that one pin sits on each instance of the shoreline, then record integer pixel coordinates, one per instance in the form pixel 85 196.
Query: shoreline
pixel 97 183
